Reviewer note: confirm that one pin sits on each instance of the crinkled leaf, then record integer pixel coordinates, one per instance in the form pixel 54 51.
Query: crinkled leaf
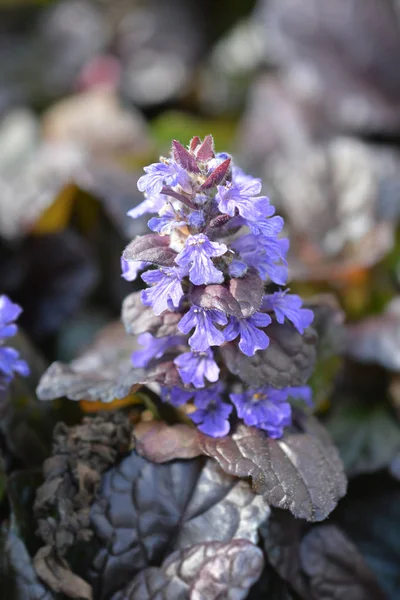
pixel 248 291
pixel 58 576
pixel 205 571
pixel 218 175
pixel 159 442
pixel 138 318
pixel 183 157
pixel 368 437
pixel 281 536
pixel 151 248
pixel 370 516
pixel 217 297
pixel 288 361
pixel 335 567
pixel 145 511
pixel 18 579
pixel 301 472
pixel 377 339
pixel 104 372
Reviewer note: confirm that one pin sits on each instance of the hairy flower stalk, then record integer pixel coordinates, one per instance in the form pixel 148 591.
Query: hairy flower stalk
pixel 10 361
pixel 216 260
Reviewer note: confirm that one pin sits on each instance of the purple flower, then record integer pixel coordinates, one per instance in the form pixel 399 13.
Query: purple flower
pixel 167 221
pixel 166 286
pixel 160 174
pixel 131 268
pixel 9 312
pixel 302 392
pixel 196 256
pixel 211 416
pixel 237 268
pixel 264 255
pixel 154 348
pixel 251 338
pixel 267 227
pixel 266 408
pixel 176 396
pixel 152 204
pixel 239 177
pixel 242 197
pixel 197 220
pixel 10 361
pixel 289 306
pixel 195 367
pixel 205 333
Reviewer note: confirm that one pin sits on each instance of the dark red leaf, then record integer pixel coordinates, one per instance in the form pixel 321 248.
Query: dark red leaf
pixel 288 361
pixel 218 175
pixel 138 318
pixel 217 297
pixel 301 472
pixel 206 151
pixel 248 291
pixel 335 567
pixel 159 442
pixel 183 157
pixel 151 248
pixel 194 142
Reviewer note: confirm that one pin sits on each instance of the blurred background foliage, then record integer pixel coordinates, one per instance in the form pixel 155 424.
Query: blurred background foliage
pixel 303 93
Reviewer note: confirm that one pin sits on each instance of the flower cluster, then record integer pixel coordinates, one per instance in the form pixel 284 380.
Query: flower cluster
pixel 10 361
pixel 217 249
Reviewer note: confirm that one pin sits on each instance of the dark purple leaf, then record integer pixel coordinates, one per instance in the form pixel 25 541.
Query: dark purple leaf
pixel 209 571
pixel 288 361
pixel 151 248
pixel 104 372
pixel 194 142
pixel 158 442
pixel 248 291
pixel 146 511
pixel 335 567
pixel 163 372
pixel 183 157
pixel 217 297
pixel 205 151
pixel 50 276
pixel 17 575
pixel 370 516
pixel 217 176
pixel 377 339
pixel 301 472
pixel 351 95
pixel 138 318
pixel 368 437
pixel 282 535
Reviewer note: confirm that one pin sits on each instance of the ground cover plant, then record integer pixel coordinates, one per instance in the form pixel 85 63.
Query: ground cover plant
pixel 199 300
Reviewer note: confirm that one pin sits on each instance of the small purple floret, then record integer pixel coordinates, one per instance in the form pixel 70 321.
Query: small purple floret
pixel 165 287
pixel 212 414
pixel 196 256
pixel 251 337
pixel 160 174
pixel 289 306
pixel 266 408
pixel 195 367
pixel 154 348
pixel 202 321
pixel 10 361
